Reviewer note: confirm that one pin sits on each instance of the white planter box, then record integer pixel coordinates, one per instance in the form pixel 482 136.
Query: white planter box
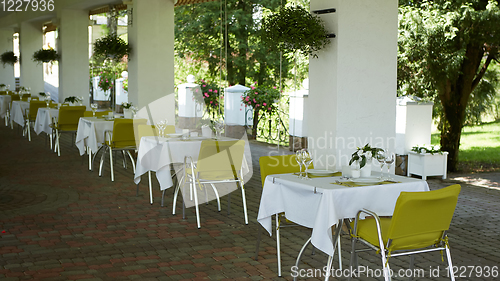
pixel 427 164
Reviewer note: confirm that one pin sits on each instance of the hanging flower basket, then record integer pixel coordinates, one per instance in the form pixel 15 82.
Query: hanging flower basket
pixel 45 56
pixel 295 29
pixel 8 58
pixel 111 47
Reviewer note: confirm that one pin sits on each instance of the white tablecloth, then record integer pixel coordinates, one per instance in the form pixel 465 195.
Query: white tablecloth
pixel 18 111
pixel 91 133
pixel 157 153
pixel 331 202
pixel 4 104
pixel 44 119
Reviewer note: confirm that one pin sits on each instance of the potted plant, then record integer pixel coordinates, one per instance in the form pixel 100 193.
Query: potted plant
pixel 73 100
pixel 427 160
pixel 363 156
pixel 263 100
pixel 208 94
pixel 128 109
pixel 45 56
pixel 111 47
pixel 8 58
pixel 295 29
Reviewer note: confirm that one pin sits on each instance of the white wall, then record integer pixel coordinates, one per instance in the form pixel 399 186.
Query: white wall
pixel 151 65
pixel 352 89
pixel 7 45
pixel 31 40
pixel 73 48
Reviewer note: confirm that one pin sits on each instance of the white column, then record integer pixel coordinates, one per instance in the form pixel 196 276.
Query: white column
pixel 352 92
pixel 151 65
pixel 73 47
pixel 7 70
pixel 30 41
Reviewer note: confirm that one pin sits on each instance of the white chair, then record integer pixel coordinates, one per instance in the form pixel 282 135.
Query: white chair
pixel 218 162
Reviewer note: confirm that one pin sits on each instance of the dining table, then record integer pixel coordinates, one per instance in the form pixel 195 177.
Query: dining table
pixel 4 105
pixel 90 135
pixel 44 119
pixel 18 112
pixel 321 203
pixel 164 154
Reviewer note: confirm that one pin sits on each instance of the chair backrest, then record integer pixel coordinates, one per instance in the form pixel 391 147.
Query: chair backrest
pixel 278 164
pixel 14 97
pixel 3 92
pixel 25 97
pixel 420 218
pixel 69 116
pixel 220 160
pixel 145 130
pixel 34 106
pixel 123 132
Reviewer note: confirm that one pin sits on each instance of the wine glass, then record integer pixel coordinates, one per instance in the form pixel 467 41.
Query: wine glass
pixel 389 160
pixel 381 160
pixel 298 158
pixel 93 107
pixel 219 125
pixel 159 127
pixel 307 160
pixel 47 99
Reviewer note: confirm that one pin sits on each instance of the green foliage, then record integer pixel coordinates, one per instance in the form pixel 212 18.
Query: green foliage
pixel 261 98
pixel 125 84
pixel 45 55
pixel 294 29
pixel 8 58
pixel 445 49
pixel 111 47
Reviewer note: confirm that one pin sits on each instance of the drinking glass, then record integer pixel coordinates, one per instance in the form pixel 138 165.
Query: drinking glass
pixel 307 160
pixel 47 100
pixel 160 127
pixel 389 160
pixel 164 126
pixel 381 160
pixel 93 107
pixel 298 158
pixel 219 125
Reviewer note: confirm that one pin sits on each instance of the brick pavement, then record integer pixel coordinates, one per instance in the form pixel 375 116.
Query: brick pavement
pixel 59 221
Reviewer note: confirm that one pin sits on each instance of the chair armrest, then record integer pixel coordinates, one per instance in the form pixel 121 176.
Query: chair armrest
pixel 377 221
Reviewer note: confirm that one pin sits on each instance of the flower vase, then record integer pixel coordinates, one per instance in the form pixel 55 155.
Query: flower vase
pixel 127 113
pixel 366 171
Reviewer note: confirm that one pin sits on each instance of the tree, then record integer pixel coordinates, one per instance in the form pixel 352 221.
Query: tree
pixel 200 37
pixel 445 48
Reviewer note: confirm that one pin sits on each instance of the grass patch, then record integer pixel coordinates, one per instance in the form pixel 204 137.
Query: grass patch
pixel 479 148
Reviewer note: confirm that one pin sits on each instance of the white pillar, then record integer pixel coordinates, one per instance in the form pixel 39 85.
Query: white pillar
pixel 30 41
pixel 73 47
pixel 7 70
pixel 352 93
pixel 151 65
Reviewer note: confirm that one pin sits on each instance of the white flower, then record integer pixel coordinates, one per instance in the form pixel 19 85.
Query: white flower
pixel 422 150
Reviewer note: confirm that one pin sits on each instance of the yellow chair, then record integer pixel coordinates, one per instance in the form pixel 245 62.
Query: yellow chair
pixel 121 138
pixel 32 113
pixel 218 162
pixel 272 165
pixel 418 225
pixel 67 122
pixel 89 113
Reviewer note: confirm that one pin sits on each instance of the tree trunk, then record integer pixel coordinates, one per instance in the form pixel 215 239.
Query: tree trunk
pixel 255 123
pixel 454 96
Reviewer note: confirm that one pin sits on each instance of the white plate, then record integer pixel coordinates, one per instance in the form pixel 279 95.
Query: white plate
pixel 318 172
pixel 367 181
pixel 174 135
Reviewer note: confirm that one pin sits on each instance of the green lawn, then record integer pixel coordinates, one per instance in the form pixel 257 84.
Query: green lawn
pixel 479 147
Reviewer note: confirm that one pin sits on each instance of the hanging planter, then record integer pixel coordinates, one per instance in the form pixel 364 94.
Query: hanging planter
pixel 8 58
pixel 45 56
pixel 111 47
pixel 295 29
